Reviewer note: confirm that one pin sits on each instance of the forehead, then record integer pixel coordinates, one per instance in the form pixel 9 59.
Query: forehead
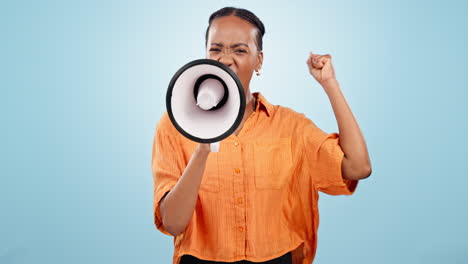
pixel 231 29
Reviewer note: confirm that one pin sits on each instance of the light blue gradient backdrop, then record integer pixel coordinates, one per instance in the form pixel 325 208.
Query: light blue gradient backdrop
pixel 83 85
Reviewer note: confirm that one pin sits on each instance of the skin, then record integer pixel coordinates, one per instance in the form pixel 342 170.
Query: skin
pixel 223 45
pixel 231 41
pixel 225 33
pixel 224 36
pixel 356 163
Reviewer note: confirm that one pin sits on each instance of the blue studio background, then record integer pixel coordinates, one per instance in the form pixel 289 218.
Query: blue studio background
pixel 83 85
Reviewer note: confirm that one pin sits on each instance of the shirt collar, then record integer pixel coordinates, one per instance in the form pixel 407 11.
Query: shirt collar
pixel 263 104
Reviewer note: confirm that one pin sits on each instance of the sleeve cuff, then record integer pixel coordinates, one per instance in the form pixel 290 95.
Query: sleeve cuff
pixel 338 185
pixel 156 209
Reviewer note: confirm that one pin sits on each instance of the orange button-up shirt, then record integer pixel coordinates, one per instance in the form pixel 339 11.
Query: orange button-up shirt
pixel 258 197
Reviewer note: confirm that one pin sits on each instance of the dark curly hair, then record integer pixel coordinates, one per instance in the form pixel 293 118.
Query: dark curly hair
pixel 241 13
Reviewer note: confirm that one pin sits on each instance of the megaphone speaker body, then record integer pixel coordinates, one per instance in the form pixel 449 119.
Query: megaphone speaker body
pixel 205 101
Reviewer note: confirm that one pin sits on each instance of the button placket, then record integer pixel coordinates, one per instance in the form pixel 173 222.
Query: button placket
pixel 238 182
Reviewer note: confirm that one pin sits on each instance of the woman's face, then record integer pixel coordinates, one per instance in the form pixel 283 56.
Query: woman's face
pixel 231 41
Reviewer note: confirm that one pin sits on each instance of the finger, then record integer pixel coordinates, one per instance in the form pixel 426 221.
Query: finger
pixel 310 58
pixel 327 58
pixel 324 59
pixel 311 54
pixel 318 61
pixel 311 61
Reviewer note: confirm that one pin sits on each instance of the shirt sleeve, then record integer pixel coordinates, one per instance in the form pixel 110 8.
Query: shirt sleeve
pixel 166 167
pixel 324 156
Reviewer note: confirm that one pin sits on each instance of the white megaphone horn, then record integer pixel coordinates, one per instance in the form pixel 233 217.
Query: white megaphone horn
pixel 205 101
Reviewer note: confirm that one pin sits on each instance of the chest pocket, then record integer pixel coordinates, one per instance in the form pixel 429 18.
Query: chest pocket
pixel 273 163
pixel 210 180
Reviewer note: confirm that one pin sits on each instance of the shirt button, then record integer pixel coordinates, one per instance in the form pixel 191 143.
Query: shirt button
pixel 241 229
pixel 236 143
pixel 237 170
pixel 239 200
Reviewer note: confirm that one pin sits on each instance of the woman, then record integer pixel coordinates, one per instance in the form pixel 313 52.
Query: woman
pixel 256 199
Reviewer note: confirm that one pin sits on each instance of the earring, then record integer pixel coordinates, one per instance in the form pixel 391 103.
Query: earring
pixel 257 72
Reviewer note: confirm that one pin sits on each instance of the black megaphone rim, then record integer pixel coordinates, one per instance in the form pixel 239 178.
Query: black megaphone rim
pixel 242 104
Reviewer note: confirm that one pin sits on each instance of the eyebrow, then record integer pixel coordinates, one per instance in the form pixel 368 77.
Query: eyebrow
pixel 232 46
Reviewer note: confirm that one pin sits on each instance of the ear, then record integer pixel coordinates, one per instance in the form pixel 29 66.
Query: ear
pixel 259 63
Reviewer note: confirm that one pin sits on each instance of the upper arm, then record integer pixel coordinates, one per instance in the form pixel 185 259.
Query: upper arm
pixel 353 172
pixel 167 167
pixel 325 159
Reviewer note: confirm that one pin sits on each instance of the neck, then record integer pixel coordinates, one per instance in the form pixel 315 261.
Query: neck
pixel 251 102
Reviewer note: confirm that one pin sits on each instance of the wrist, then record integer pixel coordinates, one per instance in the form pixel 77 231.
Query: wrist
pixel 203 149
pixel 330 83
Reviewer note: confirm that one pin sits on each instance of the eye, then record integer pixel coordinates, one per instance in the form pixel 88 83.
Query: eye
pixel 214 50
pixel 240 51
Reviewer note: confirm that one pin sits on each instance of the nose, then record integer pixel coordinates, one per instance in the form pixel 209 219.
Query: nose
pixel 225 59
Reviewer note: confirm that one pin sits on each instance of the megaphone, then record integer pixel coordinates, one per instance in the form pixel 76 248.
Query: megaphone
pixel 205 101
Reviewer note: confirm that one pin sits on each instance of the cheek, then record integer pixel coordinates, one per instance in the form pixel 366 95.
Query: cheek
pixel 210 56
pixel 246 65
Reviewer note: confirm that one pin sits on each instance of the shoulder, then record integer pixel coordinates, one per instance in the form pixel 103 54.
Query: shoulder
pixel 163 121
pixel 165 126
pixel 290 115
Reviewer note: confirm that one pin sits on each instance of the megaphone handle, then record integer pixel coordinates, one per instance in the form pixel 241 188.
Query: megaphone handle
pixel 214 146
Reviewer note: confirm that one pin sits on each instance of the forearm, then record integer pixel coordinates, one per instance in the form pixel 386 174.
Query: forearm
pixel 356 161
pixel 178 205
